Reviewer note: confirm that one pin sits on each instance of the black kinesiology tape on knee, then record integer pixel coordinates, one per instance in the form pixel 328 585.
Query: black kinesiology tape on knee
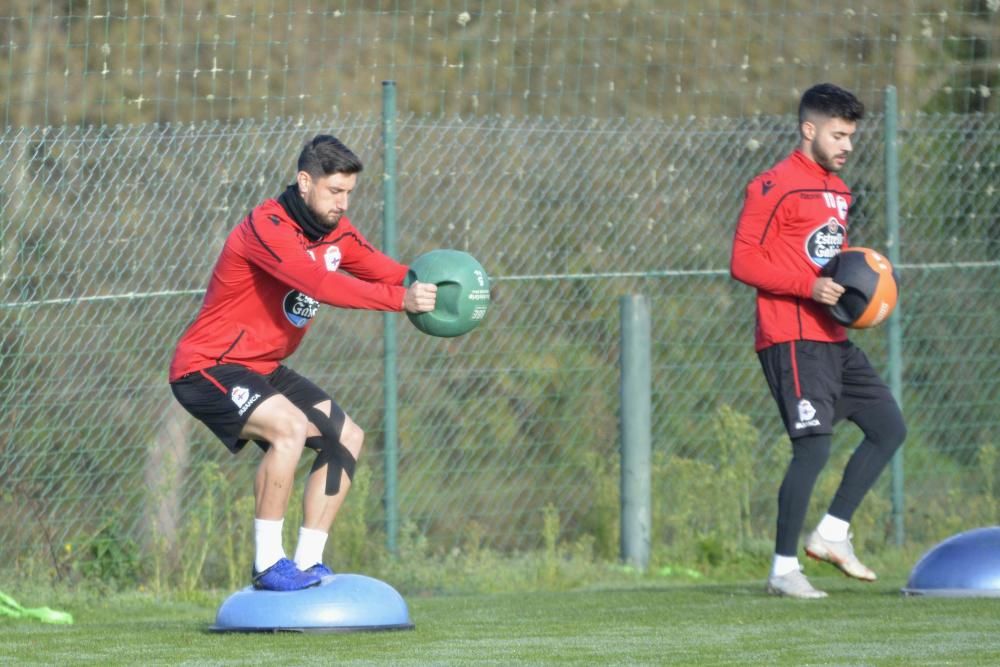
pixel 330 451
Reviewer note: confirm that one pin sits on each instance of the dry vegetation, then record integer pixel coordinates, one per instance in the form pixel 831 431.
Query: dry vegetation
pixel 121 61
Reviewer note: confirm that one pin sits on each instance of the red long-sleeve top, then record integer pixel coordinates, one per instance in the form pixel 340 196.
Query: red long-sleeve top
pixel 268 283
pixel 794 219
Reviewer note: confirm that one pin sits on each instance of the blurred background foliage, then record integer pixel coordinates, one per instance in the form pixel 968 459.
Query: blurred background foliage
pixel 121 61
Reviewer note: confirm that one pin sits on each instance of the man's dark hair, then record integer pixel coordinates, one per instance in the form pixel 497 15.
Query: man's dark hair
pixel 826 99
pixel 324 154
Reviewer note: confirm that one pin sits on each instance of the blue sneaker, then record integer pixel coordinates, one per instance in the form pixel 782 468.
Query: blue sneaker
pixel 283 576
pixel 319 570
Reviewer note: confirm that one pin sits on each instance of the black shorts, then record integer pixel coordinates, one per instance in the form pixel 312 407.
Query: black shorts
pixel 817 384
pixel 223 397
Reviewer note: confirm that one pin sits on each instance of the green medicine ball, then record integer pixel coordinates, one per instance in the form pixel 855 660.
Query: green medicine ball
pixel 463 295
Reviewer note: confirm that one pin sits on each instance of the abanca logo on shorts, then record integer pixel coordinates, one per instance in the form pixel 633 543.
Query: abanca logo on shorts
pixel 242 398
pixel 807 415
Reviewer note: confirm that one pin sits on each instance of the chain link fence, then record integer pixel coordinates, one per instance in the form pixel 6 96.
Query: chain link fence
pixel 109 236
pixel 582 152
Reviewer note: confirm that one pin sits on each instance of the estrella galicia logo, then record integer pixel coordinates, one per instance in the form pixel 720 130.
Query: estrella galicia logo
pixel 825 242
pixel 300 308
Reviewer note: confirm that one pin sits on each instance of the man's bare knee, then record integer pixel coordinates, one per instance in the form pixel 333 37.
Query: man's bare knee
pixel 280 424
pixel 288 437
pixel 352 437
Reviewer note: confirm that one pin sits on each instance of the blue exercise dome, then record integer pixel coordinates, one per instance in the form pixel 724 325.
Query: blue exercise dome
pixel 341 603
pixel 964 565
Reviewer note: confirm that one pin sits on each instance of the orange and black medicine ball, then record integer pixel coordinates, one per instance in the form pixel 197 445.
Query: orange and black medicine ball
pixel 870 289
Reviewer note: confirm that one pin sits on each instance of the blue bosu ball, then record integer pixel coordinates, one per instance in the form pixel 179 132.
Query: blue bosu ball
pixel 341 603
pixel 964 565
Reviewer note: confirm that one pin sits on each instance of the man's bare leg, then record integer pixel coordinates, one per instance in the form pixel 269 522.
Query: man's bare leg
pixel 319 509
pixel 283 426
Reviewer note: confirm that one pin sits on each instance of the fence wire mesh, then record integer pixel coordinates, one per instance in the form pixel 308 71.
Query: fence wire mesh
pixel 582 151
pixel 109 235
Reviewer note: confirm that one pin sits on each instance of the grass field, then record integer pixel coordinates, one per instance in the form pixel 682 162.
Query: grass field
pixel 700 624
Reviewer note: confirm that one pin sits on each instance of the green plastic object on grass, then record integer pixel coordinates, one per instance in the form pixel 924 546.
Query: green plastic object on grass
pixel 10 607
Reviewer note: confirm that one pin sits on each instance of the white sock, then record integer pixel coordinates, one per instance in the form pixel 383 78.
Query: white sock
pixel 833 529
pixel 309 550
pixel 782 565
pixel 267 539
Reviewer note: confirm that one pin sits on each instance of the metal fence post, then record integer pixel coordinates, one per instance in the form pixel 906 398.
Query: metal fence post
pixel 389 389
pixel 895 322
pixel 636 374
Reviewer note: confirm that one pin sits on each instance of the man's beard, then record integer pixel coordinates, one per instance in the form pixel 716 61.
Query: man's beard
pixel 322 218
pixel 826 160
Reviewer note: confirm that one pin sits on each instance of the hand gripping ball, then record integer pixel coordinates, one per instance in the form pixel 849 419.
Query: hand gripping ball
pixel 870 289
pixel 463 295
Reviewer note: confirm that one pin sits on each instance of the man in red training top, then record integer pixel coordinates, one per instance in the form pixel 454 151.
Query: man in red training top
pixel 277 266
pixel 794 220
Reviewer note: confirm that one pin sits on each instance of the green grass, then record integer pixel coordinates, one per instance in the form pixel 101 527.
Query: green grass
pixel 692 624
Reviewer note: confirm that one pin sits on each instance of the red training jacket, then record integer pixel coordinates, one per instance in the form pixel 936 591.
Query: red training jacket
pixel 268 283
pixel 794 220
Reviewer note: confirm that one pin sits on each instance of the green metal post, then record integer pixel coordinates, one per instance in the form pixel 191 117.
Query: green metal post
pixel 895 322
pixel 636 438
pixel 390 392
